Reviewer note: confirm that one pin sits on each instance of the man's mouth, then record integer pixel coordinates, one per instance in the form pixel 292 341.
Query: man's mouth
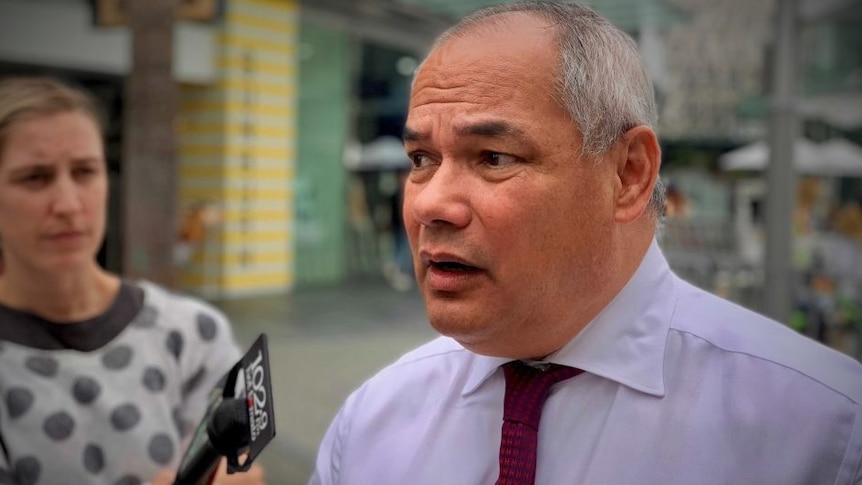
pixel 452 266
pixel 449 273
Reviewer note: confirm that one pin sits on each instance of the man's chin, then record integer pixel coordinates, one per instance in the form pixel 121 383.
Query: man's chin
pixel 456 328
pixel 472 334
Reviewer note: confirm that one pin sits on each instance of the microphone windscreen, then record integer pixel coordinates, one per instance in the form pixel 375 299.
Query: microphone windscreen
pixel 228 427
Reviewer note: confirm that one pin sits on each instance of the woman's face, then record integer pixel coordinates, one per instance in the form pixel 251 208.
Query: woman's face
pixel 53 192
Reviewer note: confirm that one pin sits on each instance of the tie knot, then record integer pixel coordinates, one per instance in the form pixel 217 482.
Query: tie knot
pixel 527 388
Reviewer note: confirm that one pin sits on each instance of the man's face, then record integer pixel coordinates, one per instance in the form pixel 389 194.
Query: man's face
pixel 53 192
pixel 506 221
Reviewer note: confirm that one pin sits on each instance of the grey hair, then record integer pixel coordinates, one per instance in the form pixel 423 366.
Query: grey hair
pixel 601 79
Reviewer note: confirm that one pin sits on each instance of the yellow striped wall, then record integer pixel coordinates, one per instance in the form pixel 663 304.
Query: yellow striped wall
pixel 237 153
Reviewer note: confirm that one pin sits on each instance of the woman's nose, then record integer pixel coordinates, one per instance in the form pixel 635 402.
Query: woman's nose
pixel 67 196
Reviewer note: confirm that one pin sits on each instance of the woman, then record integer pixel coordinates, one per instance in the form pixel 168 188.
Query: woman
pixel 102 379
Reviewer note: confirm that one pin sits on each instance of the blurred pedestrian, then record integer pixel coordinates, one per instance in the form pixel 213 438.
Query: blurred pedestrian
pixel 103 379
pixel 676 203
pixel 571 352
pixel 399 269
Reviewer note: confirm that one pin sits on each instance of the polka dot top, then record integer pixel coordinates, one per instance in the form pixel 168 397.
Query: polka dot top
pixel 111 400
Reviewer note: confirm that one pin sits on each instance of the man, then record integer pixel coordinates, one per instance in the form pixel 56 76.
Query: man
pixel 531 211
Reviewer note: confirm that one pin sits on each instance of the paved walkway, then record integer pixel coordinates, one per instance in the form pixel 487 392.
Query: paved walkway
pixel 323 343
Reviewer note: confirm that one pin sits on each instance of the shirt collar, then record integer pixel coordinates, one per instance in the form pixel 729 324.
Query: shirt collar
pixel 625 342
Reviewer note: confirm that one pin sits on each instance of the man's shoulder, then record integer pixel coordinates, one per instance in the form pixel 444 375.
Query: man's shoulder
pixel 727 328
pixel 427 372
pixel 425 364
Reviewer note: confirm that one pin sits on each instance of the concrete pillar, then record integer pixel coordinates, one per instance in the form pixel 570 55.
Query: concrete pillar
pixel 149 151
pixel 781 177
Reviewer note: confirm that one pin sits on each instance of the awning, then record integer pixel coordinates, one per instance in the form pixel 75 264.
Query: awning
pixel 835 158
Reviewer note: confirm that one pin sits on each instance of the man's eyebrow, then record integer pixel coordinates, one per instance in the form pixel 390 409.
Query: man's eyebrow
pixel 490 129
pixel 412 135
pixel 486 129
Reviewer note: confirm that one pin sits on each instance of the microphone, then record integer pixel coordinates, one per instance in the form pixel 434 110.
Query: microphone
pixel 227 433
pixel 240 420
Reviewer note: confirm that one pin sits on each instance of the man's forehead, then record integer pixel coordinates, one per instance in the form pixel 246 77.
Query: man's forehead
pixel 483 128
pixel 486 82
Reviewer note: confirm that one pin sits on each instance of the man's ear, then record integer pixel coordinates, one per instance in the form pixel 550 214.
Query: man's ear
pixel 637 168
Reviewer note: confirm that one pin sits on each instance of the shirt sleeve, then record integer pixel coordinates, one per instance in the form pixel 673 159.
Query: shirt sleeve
pixel 851 470
pixel 328 466
pixel 212 353
pixel 857 477
pixel 6 477
pixel 329 455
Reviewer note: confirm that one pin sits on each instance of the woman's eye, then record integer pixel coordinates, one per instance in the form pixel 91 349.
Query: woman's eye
pixel 36 178
pixel 84 172
pixel 495 159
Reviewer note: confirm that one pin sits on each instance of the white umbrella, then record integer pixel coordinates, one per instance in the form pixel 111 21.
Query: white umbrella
pixel 755 156
pixel 835 158
pixel 385 152
pixel 842 110
pixel 841 157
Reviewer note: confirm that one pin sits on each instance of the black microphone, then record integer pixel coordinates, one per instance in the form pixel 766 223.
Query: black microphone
pixel 227 434
pixel 239 422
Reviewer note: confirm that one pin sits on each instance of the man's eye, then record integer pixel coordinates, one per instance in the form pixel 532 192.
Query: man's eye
pixel 495 159
pixel 420 160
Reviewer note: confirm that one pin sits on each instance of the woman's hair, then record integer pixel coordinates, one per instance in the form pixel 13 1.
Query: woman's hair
pixel 23 98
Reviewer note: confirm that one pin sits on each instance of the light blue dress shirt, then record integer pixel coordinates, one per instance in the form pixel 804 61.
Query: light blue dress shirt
pixel 680 387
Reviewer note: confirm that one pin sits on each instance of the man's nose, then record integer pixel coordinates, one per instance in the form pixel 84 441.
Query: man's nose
pixel 443 199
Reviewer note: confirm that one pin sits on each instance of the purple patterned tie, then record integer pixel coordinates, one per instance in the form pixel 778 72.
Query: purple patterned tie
pixel 526 390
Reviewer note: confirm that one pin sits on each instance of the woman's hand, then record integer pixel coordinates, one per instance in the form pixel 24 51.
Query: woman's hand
pixel 164 477
pixel 254 476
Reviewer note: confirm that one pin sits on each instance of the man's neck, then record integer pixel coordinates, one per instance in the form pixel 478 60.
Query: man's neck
pixel 69 297
pixel 632 243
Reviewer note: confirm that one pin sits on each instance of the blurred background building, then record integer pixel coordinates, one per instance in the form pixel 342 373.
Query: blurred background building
pixel 288 165
pixel 289 115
